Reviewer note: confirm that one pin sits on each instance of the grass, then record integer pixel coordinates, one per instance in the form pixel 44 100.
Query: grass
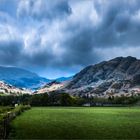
pixel 77 123
pixel 4 109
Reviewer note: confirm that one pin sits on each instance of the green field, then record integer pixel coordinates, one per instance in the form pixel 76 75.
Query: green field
pixel 77 123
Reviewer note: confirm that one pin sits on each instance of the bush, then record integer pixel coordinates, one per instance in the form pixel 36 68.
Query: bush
pixel 8 116
pixel 19 109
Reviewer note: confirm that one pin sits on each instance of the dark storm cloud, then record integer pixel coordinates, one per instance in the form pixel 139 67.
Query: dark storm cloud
pixel 67 33
pixel 119 27
pixel 80 49
pixel 42 9
pixel 119 24
pixel 42 58
pixel 10 52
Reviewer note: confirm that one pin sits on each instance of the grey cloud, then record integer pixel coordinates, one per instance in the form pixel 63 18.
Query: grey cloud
pixel 80 49
pixel 115 30
pixel 42 58
pixel 10 52
pixel 117 27
pixel 42 9
pixel 80 35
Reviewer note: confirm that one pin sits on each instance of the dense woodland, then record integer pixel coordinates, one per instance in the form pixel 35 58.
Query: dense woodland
pixel 64 99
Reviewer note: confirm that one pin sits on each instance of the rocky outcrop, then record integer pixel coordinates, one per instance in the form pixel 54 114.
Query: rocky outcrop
pixel 118 74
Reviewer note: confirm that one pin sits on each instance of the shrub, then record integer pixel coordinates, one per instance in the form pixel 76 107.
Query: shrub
pixel 9 115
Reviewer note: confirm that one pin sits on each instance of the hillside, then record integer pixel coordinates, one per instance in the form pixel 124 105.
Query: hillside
pixel 49 87
pixel 119 75
pixel 63 79
pixel 7 89
pixel 21 78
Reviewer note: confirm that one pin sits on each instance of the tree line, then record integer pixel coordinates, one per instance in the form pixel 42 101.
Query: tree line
pixel 64 99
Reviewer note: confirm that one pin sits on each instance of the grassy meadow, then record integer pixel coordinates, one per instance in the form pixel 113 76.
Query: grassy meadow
pixel 77 123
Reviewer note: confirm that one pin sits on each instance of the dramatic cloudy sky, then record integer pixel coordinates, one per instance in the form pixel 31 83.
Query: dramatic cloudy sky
pixel 59 37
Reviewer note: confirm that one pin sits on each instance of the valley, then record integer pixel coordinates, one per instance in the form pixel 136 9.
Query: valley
pixel 102 101
pixel 69 69
pixel 77 123
pixel 114 78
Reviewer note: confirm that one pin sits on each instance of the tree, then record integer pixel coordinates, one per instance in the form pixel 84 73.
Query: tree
pixel 66 99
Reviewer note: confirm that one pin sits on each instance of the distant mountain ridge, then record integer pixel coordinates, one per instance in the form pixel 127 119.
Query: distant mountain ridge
pixel 25 79
pixel 21 78
pixel 63 79
pixel 118 75
pixel 7 89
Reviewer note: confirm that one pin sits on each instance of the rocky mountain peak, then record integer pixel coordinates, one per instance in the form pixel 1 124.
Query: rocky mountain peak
pixel 117 72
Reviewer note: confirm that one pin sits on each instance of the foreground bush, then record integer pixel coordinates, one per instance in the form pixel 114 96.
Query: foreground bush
pixel 7 117
pixel 19 109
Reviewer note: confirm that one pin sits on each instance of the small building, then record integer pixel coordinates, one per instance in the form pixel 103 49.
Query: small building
pixel 2 91
pixel 86 104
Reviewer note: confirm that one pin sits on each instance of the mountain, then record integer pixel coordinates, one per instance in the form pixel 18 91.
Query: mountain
pixel 7 89
pixel 53 85
pixel 119 75
pixel 49 87
pixel 63 79
pixel 21 78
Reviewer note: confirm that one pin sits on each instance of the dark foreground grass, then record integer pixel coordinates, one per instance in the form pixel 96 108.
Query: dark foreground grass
pixel 77 123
